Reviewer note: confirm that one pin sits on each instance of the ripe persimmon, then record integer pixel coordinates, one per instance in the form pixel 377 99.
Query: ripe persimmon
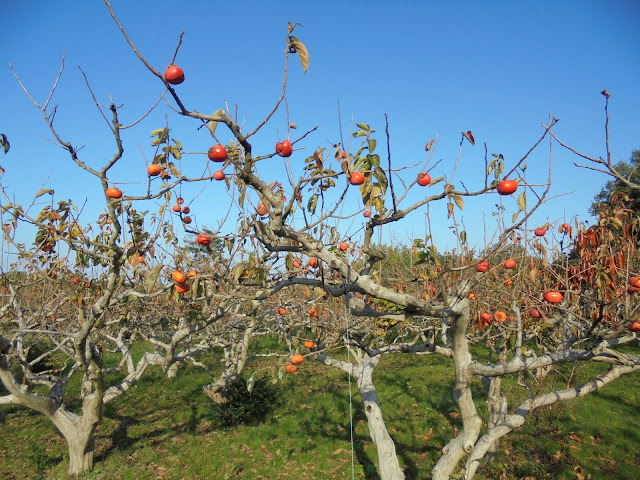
pixel 291 368
pixel 553 297
pixel 179 277
pixel 182 287
pixel 313 262
pixel 356 178
pixel 203 239
pixel 507 187
pixel 482 266
pixel 500 316
pixel 313 312
pixel 154 169
pixel 510 263
pixel 309 344
pixel 297 358
pixel 281 310
pixel 113 192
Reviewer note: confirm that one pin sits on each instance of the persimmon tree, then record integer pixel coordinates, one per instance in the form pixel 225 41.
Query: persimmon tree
pixel 82 291
pixel 289 237
pixel 306 226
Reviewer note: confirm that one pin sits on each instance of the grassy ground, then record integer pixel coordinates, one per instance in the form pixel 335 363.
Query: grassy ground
pixel 167 429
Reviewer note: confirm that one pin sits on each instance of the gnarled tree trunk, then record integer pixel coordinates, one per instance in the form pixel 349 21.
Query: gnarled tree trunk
pixel 387 457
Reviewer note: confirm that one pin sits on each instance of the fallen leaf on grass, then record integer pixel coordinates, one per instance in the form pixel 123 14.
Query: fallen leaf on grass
pixel 573 436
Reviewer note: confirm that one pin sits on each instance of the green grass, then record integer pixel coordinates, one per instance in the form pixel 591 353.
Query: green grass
pixel 169 429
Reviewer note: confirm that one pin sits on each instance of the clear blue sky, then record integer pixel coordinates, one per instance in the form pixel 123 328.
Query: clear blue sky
pixel 496 68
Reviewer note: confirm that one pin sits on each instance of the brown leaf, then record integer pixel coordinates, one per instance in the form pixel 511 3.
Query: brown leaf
pixel 454 414
pixel 428 146
pixel 573 436
pixel 469 136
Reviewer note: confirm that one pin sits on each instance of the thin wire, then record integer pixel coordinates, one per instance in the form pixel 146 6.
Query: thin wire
pixel 346 321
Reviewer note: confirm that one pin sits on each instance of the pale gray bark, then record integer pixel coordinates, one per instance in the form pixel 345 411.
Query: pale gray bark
pixel 236 353
pixel 388 465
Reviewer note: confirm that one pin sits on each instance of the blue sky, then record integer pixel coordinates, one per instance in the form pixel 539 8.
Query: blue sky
pixel 496 68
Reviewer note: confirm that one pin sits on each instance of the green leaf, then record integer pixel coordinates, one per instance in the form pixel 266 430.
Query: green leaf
pixel 436 180
pixel 459 201
pixel 301 50
pixel 374 160
pixel 4 142
pixel 152 277
pixel 463 237
pixel 157 131
pixel 176 153
pixel 372 145
pixel 156 141
pixel 250 382
pixel 515 216
pixel 174 170
pixel 211 125
pixel 178 144
pixel 312 203
pixel 360 133
pixel 363 126
pixel 44 191
pixel 522 201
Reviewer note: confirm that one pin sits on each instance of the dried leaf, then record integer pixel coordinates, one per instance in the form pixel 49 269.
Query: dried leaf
pixel 44 191
pixel 459 201
pixel 4 143
pixel 301 50
pixel 469 136
pixel 428 146
pixel 152 277
pixel 522 201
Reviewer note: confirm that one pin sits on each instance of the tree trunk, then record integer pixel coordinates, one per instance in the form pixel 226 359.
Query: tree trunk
pixel 387 457
pixel 81 448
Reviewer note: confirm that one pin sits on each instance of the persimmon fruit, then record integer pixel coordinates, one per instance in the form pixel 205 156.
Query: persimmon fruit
pixel 507 187
pixel 553 297
pixel 203 239
pixel 113 192
pixel 291 368
pixel 284 148
pixel 174 75
pixel 482 266
pixel 154 169
pixel 424 179
pixel 509 263
pixel 297 359
pixel 179 277
pixel 356 178
pixel 217 153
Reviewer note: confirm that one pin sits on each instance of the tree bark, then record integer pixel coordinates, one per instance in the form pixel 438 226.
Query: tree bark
pixel 387 457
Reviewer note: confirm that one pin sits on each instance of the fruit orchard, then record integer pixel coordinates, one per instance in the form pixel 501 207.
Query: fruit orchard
pixel 286 261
